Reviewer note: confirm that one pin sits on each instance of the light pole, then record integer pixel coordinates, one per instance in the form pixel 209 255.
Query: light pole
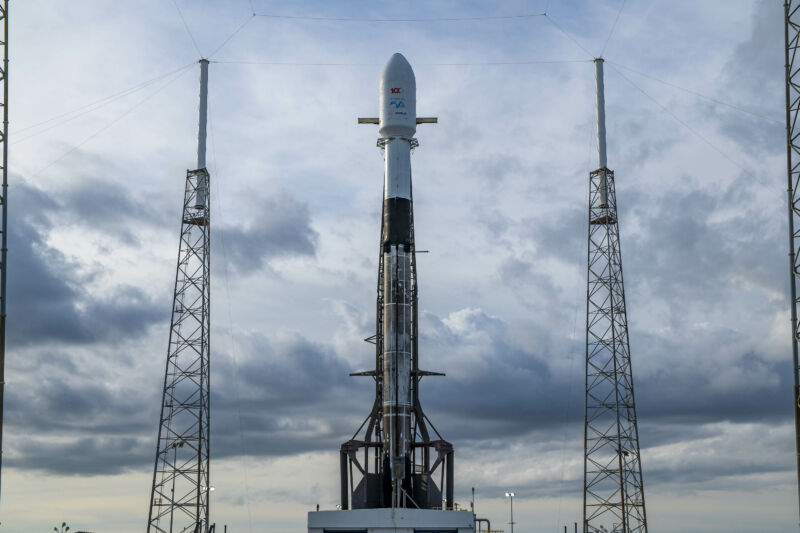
pixel 472 504
pixel 511 495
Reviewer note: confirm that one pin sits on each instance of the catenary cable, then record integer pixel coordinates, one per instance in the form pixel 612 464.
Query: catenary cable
pixel 368 19
pixel 613 27
pixel 580 299
pixel 470 64
pixel 185 25
pixel 110 124
pixel 233 346
pixel 568 35
pixel 232 35
pixel 92 106
pixel 695 93
pixel 360 19
pixel 756 176
pixel 682 122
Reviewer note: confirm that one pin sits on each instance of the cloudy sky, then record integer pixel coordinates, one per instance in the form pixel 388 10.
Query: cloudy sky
pixel 103 127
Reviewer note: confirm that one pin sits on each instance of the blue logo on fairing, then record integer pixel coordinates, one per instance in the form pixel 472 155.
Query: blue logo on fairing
pixel 398 104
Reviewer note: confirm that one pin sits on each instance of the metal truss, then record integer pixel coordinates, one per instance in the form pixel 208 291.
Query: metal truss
pixel 179 498
pixel 613 494
pixel 3 213
pixel 792 42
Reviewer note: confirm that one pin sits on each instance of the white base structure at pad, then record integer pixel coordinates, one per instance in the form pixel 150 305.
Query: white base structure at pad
pixel 386 520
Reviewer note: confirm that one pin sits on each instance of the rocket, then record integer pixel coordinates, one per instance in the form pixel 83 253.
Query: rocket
pixel 401 458
pixel 397 126
pixel 396 471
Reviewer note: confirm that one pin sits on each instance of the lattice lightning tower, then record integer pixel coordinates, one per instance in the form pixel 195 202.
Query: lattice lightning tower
pixel 3 214
pixel 613 492
pixel 792 41
pixel 180 495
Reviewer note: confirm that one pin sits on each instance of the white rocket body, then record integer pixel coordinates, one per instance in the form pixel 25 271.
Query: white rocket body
pixel 397 125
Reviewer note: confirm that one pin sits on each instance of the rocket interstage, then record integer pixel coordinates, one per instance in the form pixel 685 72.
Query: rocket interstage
pixel 400 460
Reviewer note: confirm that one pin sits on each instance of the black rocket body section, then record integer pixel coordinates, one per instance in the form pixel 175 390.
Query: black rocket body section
pixel 397 222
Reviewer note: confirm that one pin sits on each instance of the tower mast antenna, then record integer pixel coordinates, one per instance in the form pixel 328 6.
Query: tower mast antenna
pixel 179 499
pixel 613 491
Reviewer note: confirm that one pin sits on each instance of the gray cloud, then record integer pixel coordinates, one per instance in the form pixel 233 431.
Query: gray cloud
pixel 51 303
pixel 47 298
pixel 280 226
pixel 87 455
pixel 754 74
pixel 79 400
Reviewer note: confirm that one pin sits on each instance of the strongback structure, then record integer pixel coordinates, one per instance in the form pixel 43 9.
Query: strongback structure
pixel 613 492
pixel 792 41
pixel 180 494
pixel 3 215
pixel 399 460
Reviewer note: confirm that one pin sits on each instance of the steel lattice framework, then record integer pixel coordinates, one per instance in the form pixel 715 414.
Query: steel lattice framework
pixel 3 212
pixel 179 499
pixel 792 41
pixel 613 491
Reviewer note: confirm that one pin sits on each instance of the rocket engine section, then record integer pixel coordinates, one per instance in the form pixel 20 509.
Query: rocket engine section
pixel 399 456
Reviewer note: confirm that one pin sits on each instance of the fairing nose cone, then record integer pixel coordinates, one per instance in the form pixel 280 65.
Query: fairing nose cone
pixel 398 66
pixel 398 99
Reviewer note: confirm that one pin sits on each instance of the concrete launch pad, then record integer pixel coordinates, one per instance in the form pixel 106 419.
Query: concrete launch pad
pixel 385 520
